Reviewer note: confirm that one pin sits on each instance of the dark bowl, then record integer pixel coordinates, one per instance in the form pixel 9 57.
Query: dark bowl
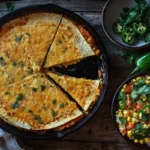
pixel 111 13
pixel 114 108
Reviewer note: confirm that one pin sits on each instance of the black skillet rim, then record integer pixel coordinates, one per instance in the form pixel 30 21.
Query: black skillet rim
pixel 56 9
pixel 114 108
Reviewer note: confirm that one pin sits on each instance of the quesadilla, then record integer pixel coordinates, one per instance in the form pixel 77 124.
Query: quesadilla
pixel 36 103
pixel 68 47
pixel 83 91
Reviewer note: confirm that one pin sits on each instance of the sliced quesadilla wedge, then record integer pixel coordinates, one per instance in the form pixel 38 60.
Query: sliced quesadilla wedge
pixel 13 60
pixel 36 103
pixel 84 91
pixel 42 28
pixel 68 47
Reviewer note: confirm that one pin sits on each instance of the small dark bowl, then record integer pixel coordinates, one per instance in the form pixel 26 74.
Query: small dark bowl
pixel 111 13
pixel 114 108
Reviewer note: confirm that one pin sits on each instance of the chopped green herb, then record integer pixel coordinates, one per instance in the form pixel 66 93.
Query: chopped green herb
pixel 20 97
pixel 122 120
pixel 53 113
pixel 128 56
pixel 61 105
pixel 28 34
pixel 30 111
pixel 24 84
pixel 38 118
pixel 7 93
pixel 18 39
pixel 14 63
pixel 60 41
pixel 30 71
pixel 15 105
pixel 2 61
pixel 54 101
pixel 121 96
pixel 20 64
pixel 145 118
pixel 42 88
pixel 42 76
pixel 34 89
pixel 9 6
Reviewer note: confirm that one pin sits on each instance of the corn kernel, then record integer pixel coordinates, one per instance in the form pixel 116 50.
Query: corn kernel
pixel 147 82
pixel 144 99
pixel 141 141
pixel 134 109
pixel 134 120
pixel 135 115
pixel 134 80
pixel 129 119
pixel 129 133
pixel 124 86
pixel 145 126
pixel 120 114
pixel 147 140
pixel 148 78
pixel 136 141
pixel 138 78
pixel 123 90
pixel 140 115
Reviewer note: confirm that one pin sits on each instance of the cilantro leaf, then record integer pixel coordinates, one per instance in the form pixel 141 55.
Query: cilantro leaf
pixel 9 6
pixel 122 120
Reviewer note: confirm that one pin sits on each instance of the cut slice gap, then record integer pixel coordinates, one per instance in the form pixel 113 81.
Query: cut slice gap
pixel 84 91
pixel 66 93
pixel 88 68
pixel 68 46
pixel 36 103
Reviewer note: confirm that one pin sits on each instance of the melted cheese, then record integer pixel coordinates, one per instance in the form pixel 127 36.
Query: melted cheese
pixel 69 45
pixel 84 91
pixel 38 109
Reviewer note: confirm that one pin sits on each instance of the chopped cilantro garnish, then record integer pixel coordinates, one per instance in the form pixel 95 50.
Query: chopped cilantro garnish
pixel 18 39
pixel 7 93
pixel 122 120
pixel 15 105
pixel 2 61
pixel 20 97
pixel 14 63
pixel 42 88
pixel 53 113
pixel 28 34
pixel 20 64
pixel 54 101
pixel 60 41
pixel 61 105
pixel 9 6
pixel 38 118
pixel 34 89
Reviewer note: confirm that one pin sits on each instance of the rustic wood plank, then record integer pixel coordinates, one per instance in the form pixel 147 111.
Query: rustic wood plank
pixel 78 145
pixel 74 5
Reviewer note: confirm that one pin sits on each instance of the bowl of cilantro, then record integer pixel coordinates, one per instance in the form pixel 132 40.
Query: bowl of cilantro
pixel 127 23
pixel 131 110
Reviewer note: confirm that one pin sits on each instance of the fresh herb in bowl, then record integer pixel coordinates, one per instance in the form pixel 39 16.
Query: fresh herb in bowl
pixel 134 23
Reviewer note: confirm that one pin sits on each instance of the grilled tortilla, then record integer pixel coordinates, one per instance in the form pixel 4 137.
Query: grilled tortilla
pixel 83 91
pixel 69 46
pixel 35 103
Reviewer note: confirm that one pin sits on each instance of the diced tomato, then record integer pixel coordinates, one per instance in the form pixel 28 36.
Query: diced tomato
pixel 129 103
pixel 130 126
pixel 128 89
pixel 139 106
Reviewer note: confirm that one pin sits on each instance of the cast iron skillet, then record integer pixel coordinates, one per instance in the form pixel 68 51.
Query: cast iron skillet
pixel 114 108
pixel 97 64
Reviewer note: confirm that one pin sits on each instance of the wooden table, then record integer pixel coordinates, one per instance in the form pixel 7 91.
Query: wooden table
pixel 99 133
